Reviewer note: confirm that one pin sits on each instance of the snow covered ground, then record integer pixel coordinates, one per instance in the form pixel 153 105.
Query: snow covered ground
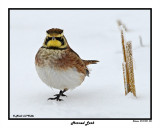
pixel 93 34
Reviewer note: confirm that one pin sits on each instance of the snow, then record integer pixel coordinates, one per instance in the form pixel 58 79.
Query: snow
pixel 93 34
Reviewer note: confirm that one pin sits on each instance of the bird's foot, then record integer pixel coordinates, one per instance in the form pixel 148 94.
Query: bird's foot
pixel 58 96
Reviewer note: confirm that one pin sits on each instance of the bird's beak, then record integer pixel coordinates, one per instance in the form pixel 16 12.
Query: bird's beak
pixel 53 38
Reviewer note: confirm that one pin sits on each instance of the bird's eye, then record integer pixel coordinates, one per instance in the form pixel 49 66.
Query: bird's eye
pixel 60 39
pixel 62 42
pixel 47 39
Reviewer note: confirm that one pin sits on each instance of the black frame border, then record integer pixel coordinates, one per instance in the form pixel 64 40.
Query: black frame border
pixel 9 9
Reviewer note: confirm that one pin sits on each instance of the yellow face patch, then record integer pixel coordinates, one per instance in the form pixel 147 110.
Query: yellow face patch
pixel 54 43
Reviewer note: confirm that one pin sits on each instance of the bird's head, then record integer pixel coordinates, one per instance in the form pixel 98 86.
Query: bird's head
pixel 55 39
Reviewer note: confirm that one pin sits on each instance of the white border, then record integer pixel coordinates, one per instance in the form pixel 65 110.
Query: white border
pixel 79 4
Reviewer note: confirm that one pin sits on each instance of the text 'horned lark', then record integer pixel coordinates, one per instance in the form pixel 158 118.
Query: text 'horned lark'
pixel 58 65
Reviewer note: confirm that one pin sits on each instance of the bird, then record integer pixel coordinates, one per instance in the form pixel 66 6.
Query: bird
pixel 58 66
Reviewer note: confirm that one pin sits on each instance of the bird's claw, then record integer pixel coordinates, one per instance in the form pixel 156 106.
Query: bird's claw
pixel 59 99
pixel 56 98
pixel 64 95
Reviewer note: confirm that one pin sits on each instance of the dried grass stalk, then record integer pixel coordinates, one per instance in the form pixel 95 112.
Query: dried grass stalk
pixel 125 78
pixel 129 59
pixel 127 65
pixel 125 61
pixel 120 24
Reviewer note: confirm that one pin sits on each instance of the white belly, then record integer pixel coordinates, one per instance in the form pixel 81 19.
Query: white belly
pixel 69 79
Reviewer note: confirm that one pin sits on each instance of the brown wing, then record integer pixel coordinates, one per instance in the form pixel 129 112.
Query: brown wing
pixel 86 62
pixel 79 63
pixel 71 59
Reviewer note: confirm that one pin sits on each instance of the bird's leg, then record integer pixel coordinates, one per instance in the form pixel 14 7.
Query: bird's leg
pixel 58 95
pixel 56 98
pixel 61 92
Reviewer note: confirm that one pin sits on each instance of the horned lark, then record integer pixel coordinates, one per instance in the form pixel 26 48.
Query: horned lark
pixel 58 66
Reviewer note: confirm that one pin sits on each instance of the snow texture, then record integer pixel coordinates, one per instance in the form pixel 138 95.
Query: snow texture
pixel 93 34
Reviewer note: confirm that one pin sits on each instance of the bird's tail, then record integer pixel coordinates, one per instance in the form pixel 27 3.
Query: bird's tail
pixel 87 62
